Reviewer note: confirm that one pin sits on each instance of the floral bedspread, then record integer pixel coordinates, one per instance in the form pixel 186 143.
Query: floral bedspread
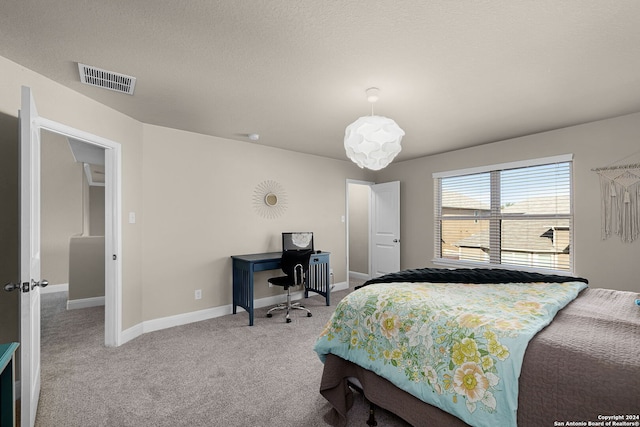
pixel 456 346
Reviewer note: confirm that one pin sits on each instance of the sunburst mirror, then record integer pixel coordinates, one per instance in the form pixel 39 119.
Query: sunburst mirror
pixel 269 199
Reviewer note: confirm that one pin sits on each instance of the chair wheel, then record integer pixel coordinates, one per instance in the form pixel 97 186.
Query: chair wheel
pixel 308 314
pixel 269 314
pixel 288 320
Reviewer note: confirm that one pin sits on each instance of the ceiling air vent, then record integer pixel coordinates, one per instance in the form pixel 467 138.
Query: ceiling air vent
pixel 106 79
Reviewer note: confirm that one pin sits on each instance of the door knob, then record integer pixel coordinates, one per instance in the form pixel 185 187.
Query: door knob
pixel 41 283
pixel 25 286
pixel 11 286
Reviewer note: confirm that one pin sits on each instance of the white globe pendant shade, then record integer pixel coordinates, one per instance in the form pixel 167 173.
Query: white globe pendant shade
pixel 372 142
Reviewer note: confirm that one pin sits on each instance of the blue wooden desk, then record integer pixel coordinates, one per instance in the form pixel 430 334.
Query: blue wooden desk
pixel 244 266
pixel 7 384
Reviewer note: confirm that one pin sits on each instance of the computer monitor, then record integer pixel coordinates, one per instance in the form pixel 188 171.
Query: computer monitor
pixel 297 241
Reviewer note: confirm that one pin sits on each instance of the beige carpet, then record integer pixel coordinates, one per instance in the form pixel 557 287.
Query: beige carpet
pixel 218 372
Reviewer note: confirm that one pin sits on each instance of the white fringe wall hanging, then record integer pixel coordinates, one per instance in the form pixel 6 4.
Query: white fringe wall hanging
pixel 620 204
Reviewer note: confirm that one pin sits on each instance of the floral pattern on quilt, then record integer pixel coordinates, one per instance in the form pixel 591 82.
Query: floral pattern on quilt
pixel 457 346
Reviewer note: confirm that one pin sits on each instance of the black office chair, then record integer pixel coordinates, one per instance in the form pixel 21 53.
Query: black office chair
pixel 295 265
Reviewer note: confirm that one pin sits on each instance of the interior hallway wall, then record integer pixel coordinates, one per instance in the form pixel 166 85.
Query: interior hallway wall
pixel 359 229
pixel 96 210
pixel 61 213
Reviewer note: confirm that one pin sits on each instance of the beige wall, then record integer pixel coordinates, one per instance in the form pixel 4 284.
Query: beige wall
pixel 86 267
pixel 607 264
pixel 198 211
pixel 61 206
pixel 96 210
pixel 359 195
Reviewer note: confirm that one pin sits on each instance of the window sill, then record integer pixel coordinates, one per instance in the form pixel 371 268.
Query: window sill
pixel 446 263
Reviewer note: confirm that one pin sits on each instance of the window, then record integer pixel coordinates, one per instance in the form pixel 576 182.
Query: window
pixel 513 215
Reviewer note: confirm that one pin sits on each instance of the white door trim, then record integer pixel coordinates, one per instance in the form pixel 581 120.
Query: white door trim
pixel 113 224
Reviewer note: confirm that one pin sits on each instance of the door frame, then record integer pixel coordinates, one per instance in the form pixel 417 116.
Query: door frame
pixel 113 223
pixel 371 230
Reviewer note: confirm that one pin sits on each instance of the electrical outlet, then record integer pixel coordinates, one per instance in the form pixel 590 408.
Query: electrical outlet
pixel 198 294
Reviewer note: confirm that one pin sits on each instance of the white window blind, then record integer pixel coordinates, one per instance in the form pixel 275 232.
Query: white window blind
pixel 517 215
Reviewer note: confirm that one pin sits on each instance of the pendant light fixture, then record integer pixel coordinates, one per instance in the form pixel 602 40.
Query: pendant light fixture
pixel 372 142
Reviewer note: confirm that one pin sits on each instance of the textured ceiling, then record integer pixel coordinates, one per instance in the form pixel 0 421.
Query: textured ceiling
pixel 452 74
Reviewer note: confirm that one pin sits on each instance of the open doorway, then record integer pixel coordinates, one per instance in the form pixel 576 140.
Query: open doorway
pixel 358 230
pixel 73 220
pixel 373 229
pixel 112 220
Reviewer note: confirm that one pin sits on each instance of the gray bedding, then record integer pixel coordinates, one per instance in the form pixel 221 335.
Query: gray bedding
pixel 581 367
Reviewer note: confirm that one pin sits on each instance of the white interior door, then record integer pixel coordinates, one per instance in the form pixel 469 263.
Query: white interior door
pixel 385 228
pixel 29 259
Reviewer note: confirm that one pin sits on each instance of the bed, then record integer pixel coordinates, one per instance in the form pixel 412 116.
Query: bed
pixel 485 347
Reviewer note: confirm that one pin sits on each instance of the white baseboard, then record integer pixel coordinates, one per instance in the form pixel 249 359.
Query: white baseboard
pixel 73 304
pixel 210 313
pixel 63 287
pixel 131 333
pixel 359 276
pixel 342 286
pixel 185 318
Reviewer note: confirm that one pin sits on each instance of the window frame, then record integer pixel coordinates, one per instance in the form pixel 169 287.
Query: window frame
pixel 495 217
